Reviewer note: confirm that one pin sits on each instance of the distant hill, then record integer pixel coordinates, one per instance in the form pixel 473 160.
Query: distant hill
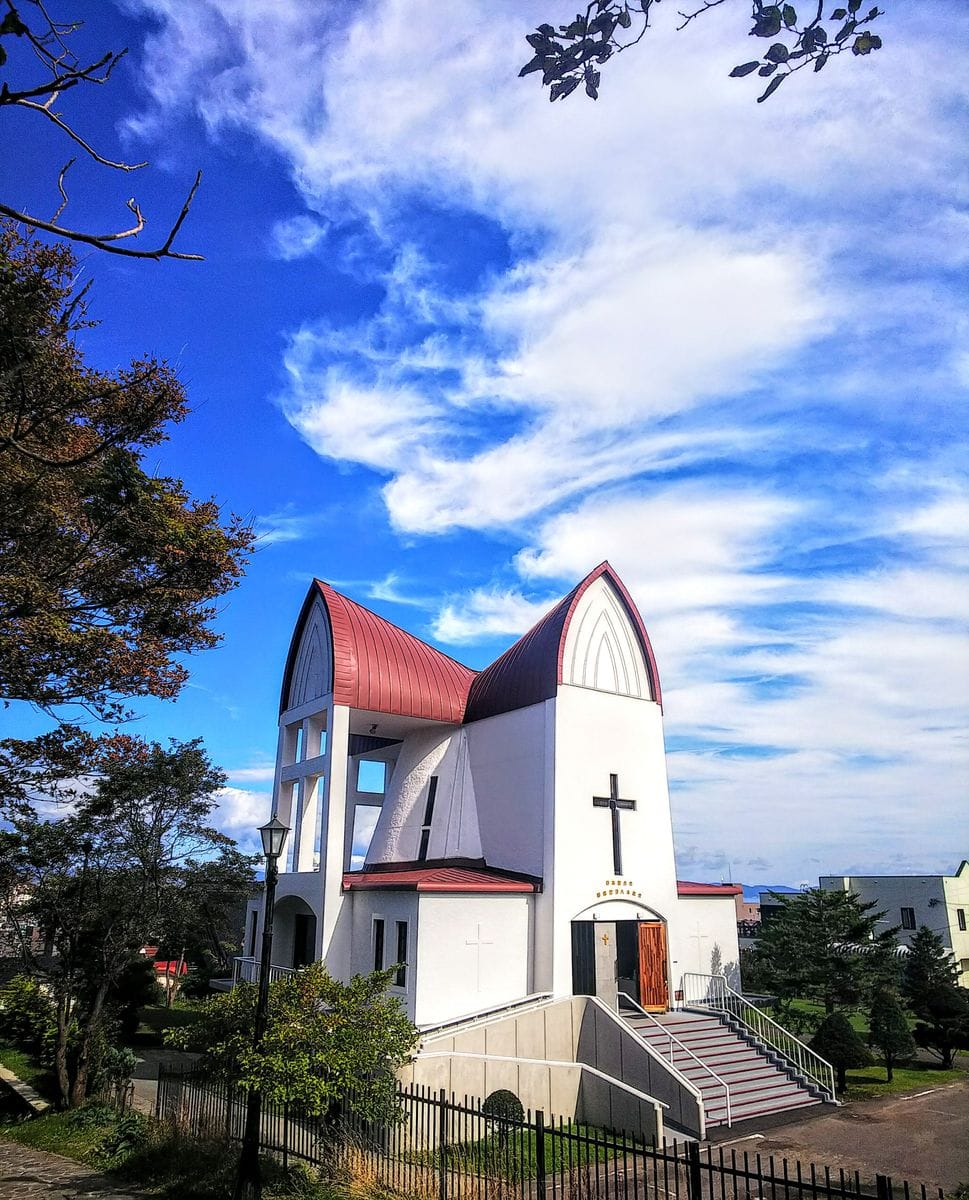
pixel 752 890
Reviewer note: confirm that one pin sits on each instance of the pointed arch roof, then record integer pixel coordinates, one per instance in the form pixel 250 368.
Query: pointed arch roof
pixel 531 670
pixel 380 667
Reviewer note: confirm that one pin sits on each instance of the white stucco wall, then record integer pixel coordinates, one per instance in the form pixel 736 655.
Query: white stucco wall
pixel 440 752
pixel 598 734
pixel 474 952
pixel 703 938
pixel 509 762
pixel 392 907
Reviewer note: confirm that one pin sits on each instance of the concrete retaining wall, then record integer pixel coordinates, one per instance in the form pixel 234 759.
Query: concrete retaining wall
pixel 540 1055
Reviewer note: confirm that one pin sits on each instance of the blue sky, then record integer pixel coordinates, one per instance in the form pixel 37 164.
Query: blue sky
pixel 452 346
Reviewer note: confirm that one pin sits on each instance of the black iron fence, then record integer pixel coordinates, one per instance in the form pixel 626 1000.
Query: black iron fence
pixel 443 1149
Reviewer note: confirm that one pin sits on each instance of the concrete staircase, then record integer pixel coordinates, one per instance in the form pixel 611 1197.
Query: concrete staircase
pixel 758 1084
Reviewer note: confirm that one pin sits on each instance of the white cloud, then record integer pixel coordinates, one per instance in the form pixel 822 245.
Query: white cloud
pixel 486 613
pixel 297 237
pixel 692 280
pixel 239 812
pixel 287 526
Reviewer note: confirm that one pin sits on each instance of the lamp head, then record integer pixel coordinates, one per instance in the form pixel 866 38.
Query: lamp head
pixel 273 835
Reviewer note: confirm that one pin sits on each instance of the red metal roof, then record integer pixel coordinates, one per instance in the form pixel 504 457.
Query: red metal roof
pixel 685 888
pixel 379 667
pixel 531 669
pixel 439 879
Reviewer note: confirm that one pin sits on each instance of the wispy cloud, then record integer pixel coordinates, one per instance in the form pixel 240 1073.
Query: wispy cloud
pixel 722 344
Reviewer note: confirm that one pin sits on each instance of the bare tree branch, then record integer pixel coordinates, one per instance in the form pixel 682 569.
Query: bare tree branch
pixel 106 241
pixel 47 40
pixel 73 134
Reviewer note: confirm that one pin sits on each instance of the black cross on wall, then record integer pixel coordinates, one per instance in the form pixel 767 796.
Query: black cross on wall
pixel 613 803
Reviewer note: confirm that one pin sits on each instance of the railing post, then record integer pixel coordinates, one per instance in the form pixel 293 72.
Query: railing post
pixel 541 1182
pixel 285 1135
pixel 883 1187
pixel 694 1179
pixel 442 1146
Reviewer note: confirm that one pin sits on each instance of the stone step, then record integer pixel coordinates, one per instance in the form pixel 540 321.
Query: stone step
pixel 716 1113
pixel 758 1085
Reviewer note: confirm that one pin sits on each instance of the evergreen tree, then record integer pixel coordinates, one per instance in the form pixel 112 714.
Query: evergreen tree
pixel 888 1030
pixel 944 1027
pixel 823 945
pixel 929 970
pixel 837 1042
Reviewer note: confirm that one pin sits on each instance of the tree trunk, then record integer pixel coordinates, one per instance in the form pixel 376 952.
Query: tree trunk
pixel 60 1053
pixel 82 1072
pixel 889 1065
pixel 842 1078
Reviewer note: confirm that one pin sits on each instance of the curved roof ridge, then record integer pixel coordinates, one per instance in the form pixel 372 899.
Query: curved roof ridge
pixel 380 667
pixel 530 670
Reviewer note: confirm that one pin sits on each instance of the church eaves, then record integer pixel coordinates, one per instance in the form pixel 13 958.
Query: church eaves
pixel 531 670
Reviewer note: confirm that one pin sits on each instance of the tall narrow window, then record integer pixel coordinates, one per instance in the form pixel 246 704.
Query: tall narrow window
pixel 252 934
pixel 400 976
pixel 908 918
pixel 378 943
pixel 428 818
pixel 961 918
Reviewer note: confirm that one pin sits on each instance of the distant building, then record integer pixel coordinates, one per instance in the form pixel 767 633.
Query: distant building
pixel 939 901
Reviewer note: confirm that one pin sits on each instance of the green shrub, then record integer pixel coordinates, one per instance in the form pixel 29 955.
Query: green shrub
pixel 27 1015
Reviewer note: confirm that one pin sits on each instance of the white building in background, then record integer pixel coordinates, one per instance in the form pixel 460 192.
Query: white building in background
pixel 909 901
pixel 522 841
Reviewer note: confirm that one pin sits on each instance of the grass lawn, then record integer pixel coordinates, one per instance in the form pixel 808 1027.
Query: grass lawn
pixel 156 1018
pixel 27 1069
pixel 868 1083
pixel 60 1134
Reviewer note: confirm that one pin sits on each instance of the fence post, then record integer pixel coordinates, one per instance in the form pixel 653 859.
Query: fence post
pixel 541 1182
pixel 694 1180
pixel 285 1135
pixel 883 1187
pixel 442 1146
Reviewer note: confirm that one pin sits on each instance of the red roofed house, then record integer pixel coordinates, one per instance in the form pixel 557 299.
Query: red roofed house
pixel 521 836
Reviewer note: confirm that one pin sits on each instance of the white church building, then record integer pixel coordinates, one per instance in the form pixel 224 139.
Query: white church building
pixel 523 843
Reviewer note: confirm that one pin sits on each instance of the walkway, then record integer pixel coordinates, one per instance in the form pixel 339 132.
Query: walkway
pixel 920 1137
pixel 36 1175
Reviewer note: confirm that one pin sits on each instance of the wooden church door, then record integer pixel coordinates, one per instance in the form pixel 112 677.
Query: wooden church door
pixel 653 991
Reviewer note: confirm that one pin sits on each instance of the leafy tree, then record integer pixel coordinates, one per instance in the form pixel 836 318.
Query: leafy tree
pixel 37 66
pixel 570 54
pixel 207 914
pixel 838 1043
pixel 107 879
pixel 822 945
pixel 107 572
pixel 888 1030
pixel 324 1041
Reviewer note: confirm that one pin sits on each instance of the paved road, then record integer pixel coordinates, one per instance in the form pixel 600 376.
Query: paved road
pixel 35 1175
pixel 923 1137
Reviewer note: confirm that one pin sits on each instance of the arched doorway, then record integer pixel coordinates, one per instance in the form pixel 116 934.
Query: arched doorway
pixel 621 950
pixel 294 933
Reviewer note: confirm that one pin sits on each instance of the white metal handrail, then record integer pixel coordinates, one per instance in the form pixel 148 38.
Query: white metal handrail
pixel 246 970
pixel 713 992
pixel 469 1020
pixel 675 1041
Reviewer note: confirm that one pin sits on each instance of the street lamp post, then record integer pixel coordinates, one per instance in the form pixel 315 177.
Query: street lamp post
pixel 249 1179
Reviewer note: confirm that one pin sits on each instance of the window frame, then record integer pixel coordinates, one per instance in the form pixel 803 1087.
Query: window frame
pixel 400 975
pixel 378 942
pixel 908 918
